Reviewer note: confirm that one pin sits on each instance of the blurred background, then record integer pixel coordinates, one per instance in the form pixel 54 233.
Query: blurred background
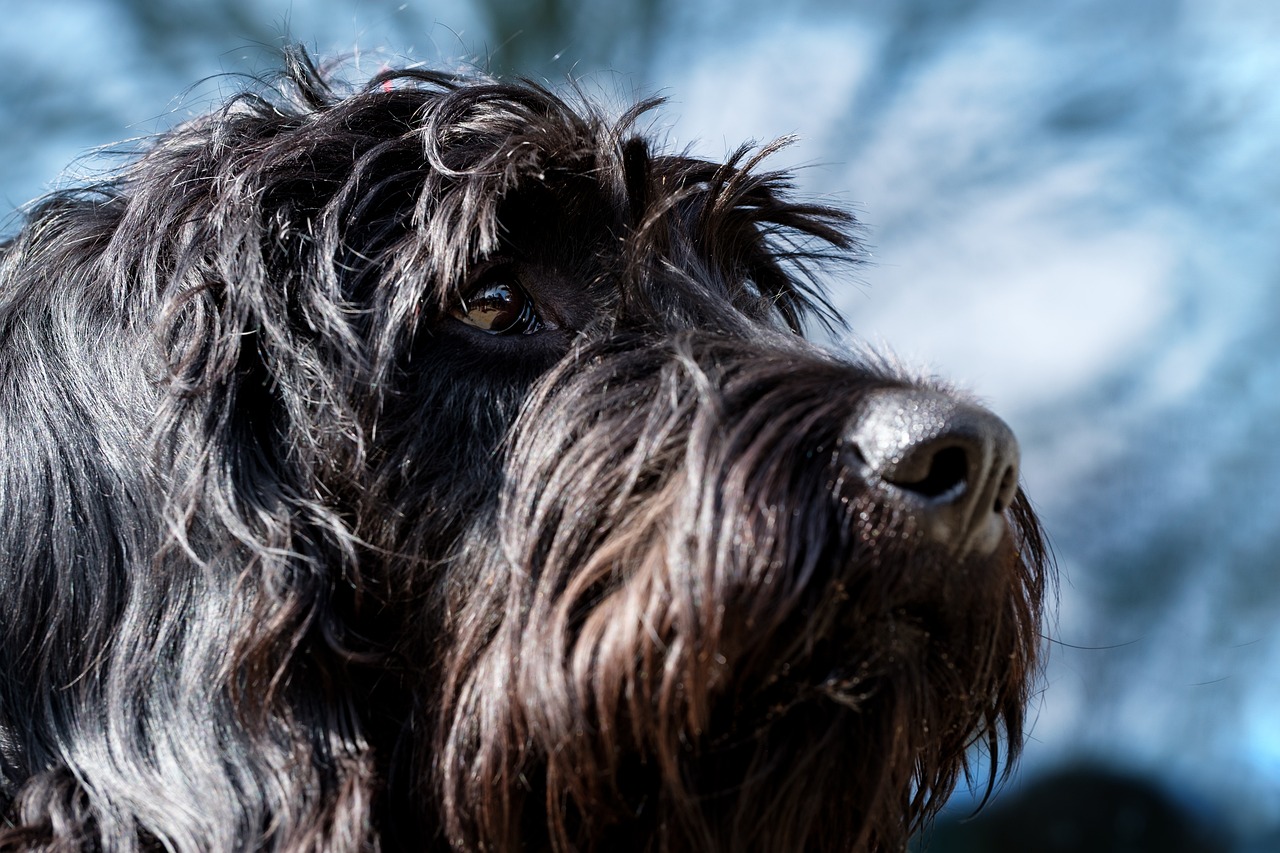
pixel 1072 209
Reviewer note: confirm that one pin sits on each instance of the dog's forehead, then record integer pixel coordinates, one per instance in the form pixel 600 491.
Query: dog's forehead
pixel 560 215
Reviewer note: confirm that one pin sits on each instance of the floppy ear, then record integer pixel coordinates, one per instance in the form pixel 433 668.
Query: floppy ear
pixel 74 506
pixel 173 663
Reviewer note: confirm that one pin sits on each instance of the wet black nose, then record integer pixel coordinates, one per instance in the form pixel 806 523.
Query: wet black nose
pixel 954 464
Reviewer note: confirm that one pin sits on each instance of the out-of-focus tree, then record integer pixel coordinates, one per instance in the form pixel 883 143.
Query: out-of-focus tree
pixel 552 37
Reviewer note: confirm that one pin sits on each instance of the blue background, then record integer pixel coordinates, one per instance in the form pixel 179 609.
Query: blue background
pixel 1072 210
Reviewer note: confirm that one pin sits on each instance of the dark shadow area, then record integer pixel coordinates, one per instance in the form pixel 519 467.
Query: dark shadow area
pixel 1084 809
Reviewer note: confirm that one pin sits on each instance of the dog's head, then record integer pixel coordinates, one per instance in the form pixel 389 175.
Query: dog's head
pixel 485 448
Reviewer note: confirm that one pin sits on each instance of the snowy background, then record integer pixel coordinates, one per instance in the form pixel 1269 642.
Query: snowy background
pixel 1073 209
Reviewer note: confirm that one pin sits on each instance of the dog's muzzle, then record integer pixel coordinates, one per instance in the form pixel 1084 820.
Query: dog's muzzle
pixel 953 465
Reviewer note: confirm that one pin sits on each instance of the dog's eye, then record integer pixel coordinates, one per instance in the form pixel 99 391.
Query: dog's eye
pixel 499 308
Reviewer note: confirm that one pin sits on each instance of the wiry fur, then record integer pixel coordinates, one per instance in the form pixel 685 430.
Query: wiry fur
pixel 292 559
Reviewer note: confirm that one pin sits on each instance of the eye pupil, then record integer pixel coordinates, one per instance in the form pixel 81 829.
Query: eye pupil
pixel 496 308
pixel 500 309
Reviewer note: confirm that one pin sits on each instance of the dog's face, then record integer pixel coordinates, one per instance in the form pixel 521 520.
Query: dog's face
pixel 489 497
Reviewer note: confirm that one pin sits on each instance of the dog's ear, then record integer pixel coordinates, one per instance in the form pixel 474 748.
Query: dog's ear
pixel 184 360
pixel 164 559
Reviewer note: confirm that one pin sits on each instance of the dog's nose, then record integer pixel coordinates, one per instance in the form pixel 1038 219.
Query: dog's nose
pixel 954 464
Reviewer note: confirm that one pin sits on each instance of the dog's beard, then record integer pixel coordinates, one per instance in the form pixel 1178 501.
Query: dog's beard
pixel 698 628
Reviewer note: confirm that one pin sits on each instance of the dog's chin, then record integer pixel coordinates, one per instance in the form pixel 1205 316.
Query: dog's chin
pixel 907 674
pixel 935 631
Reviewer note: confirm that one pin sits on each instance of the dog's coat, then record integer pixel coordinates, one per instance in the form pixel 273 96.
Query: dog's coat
pixel 441 465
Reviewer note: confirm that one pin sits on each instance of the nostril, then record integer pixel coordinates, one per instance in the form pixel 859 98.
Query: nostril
pixel 945 472
pixel 953 465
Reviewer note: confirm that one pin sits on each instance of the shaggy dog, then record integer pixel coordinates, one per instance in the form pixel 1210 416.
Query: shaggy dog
pixel 442 465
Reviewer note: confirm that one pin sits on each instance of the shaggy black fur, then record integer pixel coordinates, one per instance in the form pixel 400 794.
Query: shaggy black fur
pixel 439 464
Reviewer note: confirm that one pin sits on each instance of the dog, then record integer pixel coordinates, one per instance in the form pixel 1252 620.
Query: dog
pixel 440 464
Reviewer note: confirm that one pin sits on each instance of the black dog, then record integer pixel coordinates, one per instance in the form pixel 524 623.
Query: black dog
pixel 439 465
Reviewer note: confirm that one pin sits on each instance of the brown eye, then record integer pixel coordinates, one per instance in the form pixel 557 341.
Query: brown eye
pixel 499 308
